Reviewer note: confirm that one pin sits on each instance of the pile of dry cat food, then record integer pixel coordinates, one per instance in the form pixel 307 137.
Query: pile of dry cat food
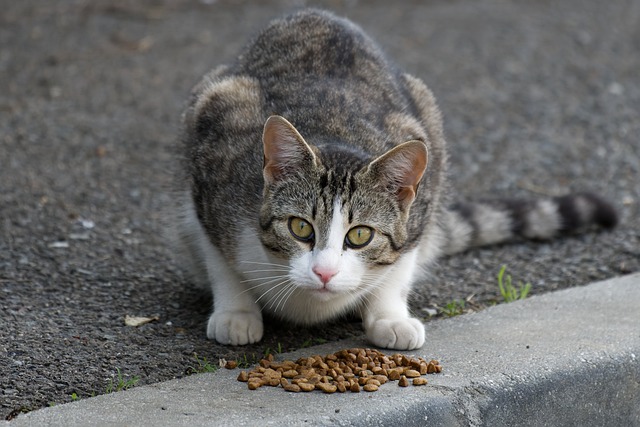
pixel 346 370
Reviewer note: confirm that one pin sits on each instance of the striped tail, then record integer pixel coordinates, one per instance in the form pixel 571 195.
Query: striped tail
pixel 484 223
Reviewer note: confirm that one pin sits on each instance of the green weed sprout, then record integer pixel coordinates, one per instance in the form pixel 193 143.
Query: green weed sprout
pixel 453 308
pixel 508 291
pixel 121 383
pixel 203 366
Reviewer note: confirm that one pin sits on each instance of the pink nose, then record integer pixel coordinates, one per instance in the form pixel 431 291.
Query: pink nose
pixel 325 274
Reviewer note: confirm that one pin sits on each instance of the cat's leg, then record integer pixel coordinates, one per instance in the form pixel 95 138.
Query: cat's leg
pixel 183 232
pixel 236 318
pixel 386 318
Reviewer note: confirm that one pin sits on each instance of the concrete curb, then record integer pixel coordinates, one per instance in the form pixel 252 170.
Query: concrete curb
pixel 566 358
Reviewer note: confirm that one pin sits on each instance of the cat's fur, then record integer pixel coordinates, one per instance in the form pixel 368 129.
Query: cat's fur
pixel 311 121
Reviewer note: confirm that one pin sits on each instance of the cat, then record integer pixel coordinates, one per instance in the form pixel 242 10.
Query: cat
pixel 314 185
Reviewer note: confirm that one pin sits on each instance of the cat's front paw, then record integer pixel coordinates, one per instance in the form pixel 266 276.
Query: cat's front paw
pixel 235 327
pixel 399 334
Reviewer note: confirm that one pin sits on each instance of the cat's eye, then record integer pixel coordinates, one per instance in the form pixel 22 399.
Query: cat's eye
pixel 359 237
pixel 301 229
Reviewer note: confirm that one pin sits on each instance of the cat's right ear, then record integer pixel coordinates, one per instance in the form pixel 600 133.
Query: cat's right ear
pixel 285 151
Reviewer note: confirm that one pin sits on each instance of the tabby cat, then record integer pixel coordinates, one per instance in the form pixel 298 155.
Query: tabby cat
pixel 314 186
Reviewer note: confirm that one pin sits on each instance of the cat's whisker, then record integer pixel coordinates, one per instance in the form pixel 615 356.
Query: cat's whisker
pixel 365 304
pixel 369 284
pixel 356 297
pixel 286 297
pixel 270 264
pixel 275 302
pixel 367 300
pixel 266 283
pixel 269 270
pixel 413 292
pixel 280 276
pixel 285 285
pixel 370 290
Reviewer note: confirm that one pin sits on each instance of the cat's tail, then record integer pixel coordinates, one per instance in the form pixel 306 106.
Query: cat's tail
pixel 466 225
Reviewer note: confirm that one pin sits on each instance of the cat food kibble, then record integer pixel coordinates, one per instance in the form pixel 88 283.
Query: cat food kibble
pixel 412 373
pixel 370 387
pixel 352 370
pixel 403 381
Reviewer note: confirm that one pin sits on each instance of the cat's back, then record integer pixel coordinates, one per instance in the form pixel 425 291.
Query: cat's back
pixel 309 44
pixel 314 67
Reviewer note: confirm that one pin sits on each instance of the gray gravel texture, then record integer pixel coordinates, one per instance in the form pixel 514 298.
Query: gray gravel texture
pixel 538 98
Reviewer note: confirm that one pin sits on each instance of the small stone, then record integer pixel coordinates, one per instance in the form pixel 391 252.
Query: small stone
pixel 59 245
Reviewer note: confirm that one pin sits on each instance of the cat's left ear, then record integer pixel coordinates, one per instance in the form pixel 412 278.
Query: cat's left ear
pixel 285 151
pixel 401 169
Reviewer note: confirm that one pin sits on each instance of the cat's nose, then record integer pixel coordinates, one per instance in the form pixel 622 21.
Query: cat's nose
pixel 325 274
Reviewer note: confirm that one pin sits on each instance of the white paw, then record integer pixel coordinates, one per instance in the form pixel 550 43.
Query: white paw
pixel 399 334
pixel 235 327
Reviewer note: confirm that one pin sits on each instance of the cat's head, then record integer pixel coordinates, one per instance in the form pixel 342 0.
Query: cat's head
pixel 338 216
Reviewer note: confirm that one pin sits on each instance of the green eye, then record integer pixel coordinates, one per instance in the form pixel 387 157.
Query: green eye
pixel 359 237
pixel 301 229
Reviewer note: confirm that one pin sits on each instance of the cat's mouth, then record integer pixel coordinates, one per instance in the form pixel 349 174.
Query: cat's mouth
pixel 323 293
